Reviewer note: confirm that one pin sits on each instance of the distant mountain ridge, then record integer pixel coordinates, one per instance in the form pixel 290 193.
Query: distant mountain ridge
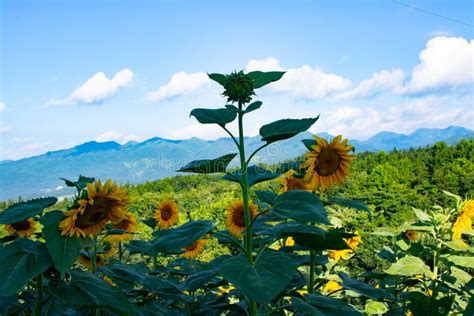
pixel 157 157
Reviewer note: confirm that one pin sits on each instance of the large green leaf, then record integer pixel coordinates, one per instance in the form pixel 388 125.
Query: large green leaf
pixel 301 206
pixel 461 261
pixel 64 250
pixel 349 203
pixel 261 78
pixel 198 280
pixel 318 305
pixel 364 288
pixel 214 116
pixel 333 239
pixel 86 289
pixel 266 196
pixel 255 175
pixel 264 279
pixel 409 266
pixel 208 165
pixel 284 129
pixel 296 229
pixel 20 261
pixel 253 106
pixel 21 211
pixel 81 182
pixel 174 240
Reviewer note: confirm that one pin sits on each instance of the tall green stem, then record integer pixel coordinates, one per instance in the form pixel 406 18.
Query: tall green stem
pixel 94 256
pixel 312 257
pixel 39 294
pixel 245 194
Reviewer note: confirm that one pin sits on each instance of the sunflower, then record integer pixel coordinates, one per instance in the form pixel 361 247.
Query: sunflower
pixel 235 220
pixel 328 163
pixel 128 224
pixel 337 255
pixel 464 221
pixel 224 289
pixel 289 242
pixel 167 214
pixel 24 228
pixel 103 204
pixel 87 262
pixel 289 182
pixel 331 286
pixel 411 235
pixel 195 249
pixel 354 241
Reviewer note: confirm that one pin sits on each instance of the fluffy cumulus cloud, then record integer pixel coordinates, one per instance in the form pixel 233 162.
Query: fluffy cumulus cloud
pixel 304 82
pixel 97 88
pixel 119 137
pixel 445 62
pixel 181 83
pixel 382 81
pixel 2 106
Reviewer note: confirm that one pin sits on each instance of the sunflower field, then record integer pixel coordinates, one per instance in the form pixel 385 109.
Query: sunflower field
pixel 276 250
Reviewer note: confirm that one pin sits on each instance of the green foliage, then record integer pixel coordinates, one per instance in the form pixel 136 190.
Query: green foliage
pixel 21 211
pixel 284 129
pixel 209 166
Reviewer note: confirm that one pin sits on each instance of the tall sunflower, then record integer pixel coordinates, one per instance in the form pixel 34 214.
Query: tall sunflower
pixel 166 214
pixel 331 286
pixel 289 182
pixel 24 228
pixel 103 204
pixel 235 220
pixel 354 241
pixel 337 255
pixel 328 163
pixel 195 249
pixel 128 224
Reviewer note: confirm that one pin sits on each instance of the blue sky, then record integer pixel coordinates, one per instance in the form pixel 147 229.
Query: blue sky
pixel 74 71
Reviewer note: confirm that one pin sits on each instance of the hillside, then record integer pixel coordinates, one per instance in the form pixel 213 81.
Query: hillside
pixel 159 158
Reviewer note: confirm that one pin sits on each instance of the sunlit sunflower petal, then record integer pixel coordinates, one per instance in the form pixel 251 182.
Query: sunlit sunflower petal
pixel 167 214
pixel 235 220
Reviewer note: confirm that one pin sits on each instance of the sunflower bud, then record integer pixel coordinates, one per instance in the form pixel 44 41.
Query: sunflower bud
pixel 238 88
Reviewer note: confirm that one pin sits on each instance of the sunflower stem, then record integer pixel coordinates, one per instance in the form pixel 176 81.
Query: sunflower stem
pixel 94 256
pixel 245 194
pixel 39 294
pixel 312 257
pixel 120 250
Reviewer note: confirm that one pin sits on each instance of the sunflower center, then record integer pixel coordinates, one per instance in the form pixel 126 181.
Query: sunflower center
pixel 328 161
pixel 295 184
pixel 238 216
pixel 23 225
pixel 94 214
pixel 166 213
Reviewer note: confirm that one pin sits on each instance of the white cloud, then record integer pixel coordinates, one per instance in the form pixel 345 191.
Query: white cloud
pixel 119 137
pixel 181 83
pixel 20 139
pixel 445 62
pixel 304 82
pixel 97 88
pixel 402 117
pixel 4 129
pixel 382 81
pixel 2 106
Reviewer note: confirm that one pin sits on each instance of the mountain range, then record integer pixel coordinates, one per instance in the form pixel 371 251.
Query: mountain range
pixel 157 158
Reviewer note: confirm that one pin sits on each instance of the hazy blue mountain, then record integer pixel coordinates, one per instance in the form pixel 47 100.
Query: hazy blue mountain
pixel 157 158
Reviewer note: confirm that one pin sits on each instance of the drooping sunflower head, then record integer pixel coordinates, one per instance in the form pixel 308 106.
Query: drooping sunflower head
pixel 235 218
pixel 86 261
pixel 25 228
pixel 128 224
pixel 328 163
pixel 195 249
pixel 103 204
pixel 354 241
pixel 167 214
pixel 289 181
pixel 411 235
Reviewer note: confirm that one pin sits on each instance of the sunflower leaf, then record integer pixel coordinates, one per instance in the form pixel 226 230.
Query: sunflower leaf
pixel 264 279
pixel 208 165
pixel 364 288
pixel 332 239
pixel 318 305
pixel 284 129
pixel 309 143
pixel 219 78
pixel 302 206
pixel 21 211
pixel 64 250
pixel 255 175
pixel 214 116
pixel 21 260
pixel 253 106
pixel 409 266
pixel 81 182
pixel 261 78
